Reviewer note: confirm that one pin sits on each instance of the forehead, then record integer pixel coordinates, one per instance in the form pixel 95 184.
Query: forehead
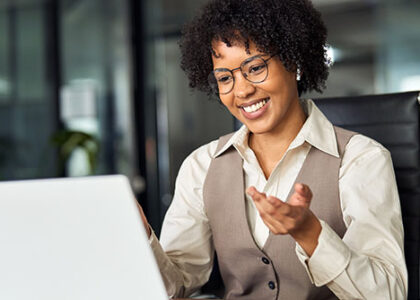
pixel 232 56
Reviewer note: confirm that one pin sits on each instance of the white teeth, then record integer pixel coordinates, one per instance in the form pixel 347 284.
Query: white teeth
pixel 255 107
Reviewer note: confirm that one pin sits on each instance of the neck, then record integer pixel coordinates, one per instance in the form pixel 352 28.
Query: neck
pixel 284 134
pixel 270 147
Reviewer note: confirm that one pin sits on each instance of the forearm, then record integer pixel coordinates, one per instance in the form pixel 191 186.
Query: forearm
pixel 307 237
pixel 171 275
pixel 181 275
pixel 185 250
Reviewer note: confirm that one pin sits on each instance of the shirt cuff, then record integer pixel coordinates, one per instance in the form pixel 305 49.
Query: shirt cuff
pixel 155 245
pixel 330 258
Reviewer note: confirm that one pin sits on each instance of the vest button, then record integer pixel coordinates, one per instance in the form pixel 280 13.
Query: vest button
pixel 265 260
pixel 271 285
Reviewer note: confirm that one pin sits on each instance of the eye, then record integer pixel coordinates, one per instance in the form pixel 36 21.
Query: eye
pixel 256 69
pixel 224 79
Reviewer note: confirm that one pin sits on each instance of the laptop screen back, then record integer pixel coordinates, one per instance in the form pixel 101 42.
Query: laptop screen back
pixel 74 238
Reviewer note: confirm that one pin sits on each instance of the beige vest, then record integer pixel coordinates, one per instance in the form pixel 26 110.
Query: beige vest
pixel 273 272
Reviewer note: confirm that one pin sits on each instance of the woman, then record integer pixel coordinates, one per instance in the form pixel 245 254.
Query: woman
pixel 294 207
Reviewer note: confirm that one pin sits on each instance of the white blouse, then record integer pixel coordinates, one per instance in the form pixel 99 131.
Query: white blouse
pixel 368 263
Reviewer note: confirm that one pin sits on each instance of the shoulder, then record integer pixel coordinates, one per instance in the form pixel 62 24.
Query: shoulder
pixel 365 153
pixel 361 146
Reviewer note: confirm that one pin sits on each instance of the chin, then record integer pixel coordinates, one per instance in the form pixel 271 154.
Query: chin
pixel 258 129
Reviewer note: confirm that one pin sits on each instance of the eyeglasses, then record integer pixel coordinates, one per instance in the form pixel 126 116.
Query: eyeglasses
pixel 254 69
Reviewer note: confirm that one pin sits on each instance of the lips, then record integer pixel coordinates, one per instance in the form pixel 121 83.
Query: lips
pixel 255 109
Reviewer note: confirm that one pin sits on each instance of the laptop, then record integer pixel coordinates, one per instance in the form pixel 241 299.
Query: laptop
pixel 74 238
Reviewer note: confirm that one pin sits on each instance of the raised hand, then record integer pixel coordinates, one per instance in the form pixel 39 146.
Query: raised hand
pixel 293 217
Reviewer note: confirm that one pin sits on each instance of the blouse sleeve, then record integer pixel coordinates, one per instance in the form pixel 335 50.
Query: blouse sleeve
pixel 185 253
pixel 368 263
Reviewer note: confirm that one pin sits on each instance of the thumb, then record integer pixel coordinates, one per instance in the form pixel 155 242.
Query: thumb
pixel 302 196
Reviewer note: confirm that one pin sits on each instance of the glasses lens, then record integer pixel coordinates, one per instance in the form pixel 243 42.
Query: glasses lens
pixel 221 81
pixel 255 70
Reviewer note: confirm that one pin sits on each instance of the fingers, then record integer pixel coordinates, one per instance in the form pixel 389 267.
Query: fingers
pixel 268 203
pixel 302 196
pixel 269 207
pixel 281 217
pixel 274 226
pixel 255 194
pixel 303 190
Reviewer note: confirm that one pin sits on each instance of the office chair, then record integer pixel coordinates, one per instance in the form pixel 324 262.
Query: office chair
pixel 393 121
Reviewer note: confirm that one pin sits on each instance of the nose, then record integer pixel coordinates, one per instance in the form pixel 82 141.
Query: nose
pixel 242 88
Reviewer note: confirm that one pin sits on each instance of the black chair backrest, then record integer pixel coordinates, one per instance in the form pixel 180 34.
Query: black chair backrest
pixel 392 120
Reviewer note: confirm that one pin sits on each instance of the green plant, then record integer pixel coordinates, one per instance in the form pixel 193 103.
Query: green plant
pixel 68 141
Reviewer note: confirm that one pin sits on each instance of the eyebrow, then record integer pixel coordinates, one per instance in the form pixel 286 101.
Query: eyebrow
pixel 243 62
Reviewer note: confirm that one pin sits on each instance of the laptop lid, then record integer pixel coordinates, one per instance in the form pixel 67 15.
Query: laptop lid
pixel 74 238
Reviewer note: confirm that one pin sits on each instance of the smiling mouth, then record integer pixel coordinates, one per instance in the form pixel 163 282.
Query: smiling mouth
pixel 255 107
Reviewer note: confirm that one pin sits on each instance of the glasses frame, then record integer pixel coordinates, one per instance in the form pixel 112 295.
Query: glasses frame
pixel 212 74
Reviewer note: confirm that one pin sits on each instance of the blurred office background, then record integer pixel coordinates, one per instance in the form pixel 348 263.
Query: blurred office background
pixel 94 86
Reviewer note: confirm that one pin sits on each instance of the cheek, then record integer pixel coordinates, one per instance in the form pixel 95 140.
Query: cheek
pixel 282 85
pixel 230 106
pixel 227 102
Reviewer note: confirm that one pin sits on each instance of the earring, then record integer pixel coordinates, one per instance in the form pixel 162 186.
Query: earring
pixel 298 76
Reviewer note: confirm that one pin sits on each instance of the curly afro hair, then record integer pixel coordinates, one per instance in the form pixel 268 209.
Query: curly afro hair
pixel 291 29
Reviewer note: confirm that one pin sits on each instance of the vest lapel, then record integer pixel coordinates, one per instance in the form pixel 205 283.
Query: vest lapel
pixel 232 195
